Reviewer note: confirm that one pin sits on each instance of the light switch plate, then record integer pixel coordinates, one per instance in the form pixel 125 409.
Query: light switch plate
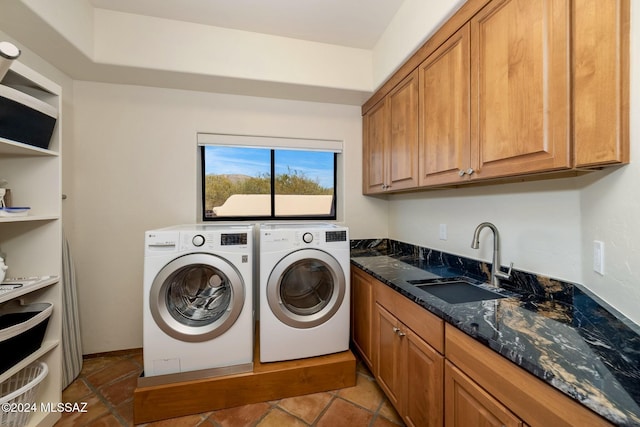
pixel 443 231
pixel 598 257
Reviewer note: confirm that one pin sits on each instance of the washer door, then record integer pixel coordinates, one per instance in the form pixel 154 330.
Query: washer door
pixel 306 288
pixel 196 297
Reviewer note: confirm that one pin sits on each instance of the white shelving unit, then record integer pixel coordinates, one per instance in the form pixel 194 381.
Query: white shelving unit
pixel 33 243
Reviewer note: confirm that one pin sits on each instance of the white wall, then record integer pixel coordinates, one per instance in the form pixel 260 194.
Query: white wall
pixel 547 227
pixel 539 223
pixel 412 25
pixel 136 170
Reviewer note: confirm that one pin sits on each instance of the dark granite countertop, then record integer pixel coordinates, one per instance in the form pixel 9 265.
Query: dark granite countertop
pixel 558 331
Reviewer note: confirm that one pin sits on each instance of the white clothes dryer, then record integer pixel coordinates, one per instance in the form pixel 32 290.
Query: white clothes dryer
pixel 198 300
pixel 304 290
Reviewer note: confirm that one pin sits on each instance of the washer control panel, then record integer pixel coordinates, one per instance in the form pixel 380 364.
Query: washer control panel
pixel 198 240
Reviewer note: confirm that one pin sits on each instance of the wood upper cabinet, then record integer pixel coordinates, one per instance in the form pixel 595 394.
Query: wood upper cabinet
pixel 505 88
pixel 375 141
pixel 444 125
pixel 467 404
pixel 362 302
pixel 390 134
pixel 600 56
pixel 520 87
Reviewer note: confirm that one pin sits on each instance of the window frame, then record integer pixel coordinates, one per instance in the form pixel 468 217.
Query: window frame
pixel 272 217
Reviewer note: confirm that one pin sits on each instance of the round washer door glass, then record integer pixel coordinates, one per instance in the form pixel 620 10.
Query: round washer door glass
pixel 306 288
pixel 196 297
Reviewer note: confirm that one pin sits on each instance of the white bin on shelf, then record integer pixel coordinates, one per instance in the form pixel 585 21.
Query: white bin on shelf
pixel 19 391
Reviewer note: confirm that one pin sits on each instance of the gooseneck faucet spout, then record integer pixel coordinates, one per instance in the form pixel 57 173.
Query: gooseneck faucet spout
pixel 496 273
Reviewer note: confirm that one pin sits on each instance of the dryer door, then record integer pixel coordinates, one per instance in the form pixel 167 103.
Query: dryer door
pixel 306 288
pixel 196 297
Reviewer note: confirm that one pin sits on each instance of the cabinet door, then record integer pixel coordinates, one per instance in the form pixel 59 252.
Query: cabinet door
pixel 403 143
pixel 520 88
pixel 444 112
pixel 467 404
pixel 388 355
pixel 375 138
pixel 600 82
pixel 423 373
pixel 362 316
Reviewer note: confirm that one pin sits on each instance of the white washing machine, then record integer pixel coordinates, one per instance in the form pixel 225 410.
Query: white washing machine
pixel 198 300
pixel 304 290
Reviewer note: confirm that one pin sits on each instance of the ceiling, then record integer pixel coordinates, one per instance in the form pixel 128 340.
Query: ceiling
pixel 352 23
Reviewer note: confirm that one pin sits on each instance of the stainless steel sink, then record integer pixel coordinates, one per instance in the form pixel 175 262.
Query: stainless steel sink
pixel 455 291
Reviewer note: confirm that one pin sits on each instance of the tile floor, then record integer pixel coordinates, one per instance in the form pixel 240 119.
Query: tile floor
pixel 107 382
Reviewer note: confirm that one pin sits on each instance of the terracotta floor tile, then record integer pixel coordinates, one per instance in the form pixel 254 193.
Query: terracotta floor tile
pixel 241 416
pixel 188 421
pixel 94 364
pixel 307 407
pixel 361 368
pixel 95 409
pixel 342 413
pixel 389 412
pixel 107 420
pixel 125 410
pixel 117 370
pixel 383 422
pixel 120 390
pixel 76 391
pixel 278 418
pixel 365 393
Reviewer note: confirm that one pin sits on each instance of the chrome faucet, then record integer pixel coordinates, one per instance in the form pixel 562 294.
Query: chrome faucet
pixel 496 273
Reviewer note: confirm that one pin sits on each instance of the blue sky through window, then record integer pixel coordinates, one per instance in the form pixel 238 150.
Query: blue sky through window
pixel 315 165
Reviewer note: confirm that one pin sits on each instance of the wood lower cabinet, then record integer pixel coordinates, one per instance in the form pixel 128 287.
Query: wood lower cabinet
pixel 436 375
pixel 409 371
pixel 388 365
pixel 467 404
pixel 408 360
pixel 423 405
pixel 362 302
pixel 489 378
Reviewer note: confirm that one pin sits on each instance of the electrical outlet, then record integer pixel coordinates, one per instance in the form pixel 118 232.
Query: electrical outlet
pixel 443 231
pixel 598 257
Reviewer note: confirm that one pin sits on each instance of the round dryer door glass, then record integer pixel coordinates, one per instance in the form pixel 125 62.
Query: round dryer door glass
pixel 196 297
pixel 306 287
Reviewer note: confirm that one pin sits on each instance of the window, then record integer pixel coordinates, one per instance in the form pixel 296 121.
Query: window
pixel 267 178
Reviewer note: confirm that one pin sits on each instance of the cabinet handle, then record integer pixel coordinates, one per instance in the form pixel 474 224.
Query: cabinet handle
pixel 470 171
pixel 397 331
pixel 461 173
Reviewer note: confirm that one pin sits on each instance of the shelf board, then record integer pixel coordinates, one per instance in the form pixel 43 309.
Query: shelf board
pixel 29 218
pixel 9 147
pixel 29 285
pixel 46 347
